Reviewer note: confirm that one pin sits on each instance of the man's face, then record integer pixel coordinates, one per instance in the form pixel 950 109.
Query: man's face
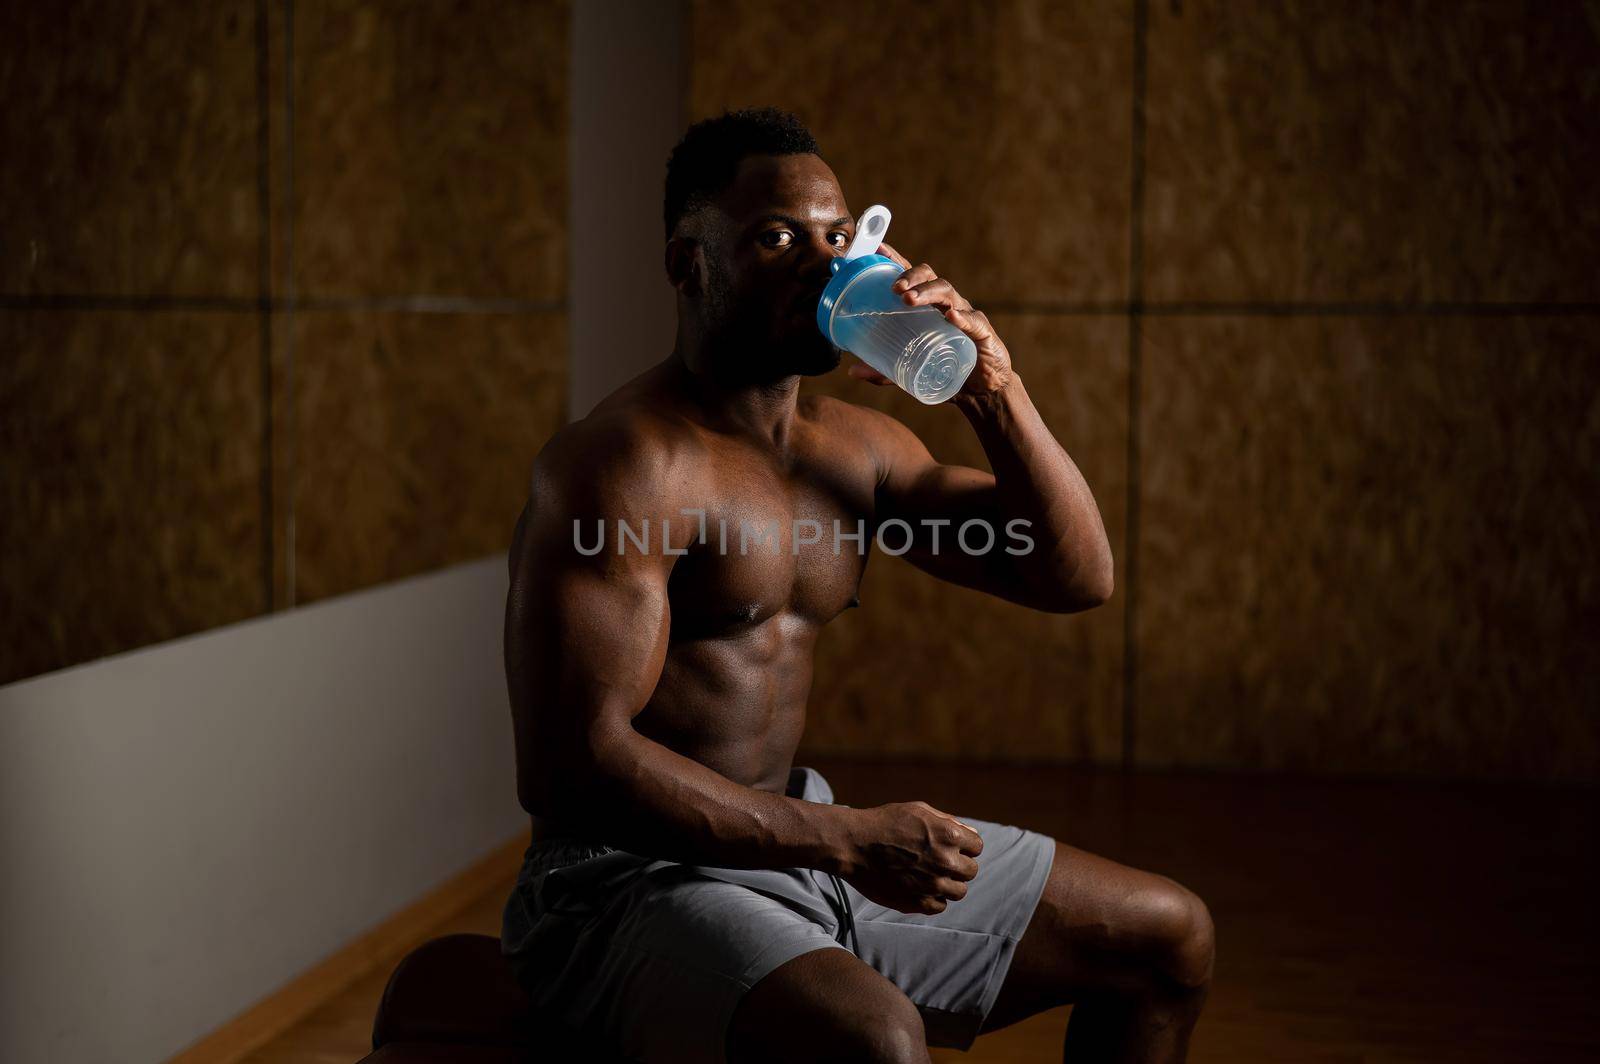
pixel 783 221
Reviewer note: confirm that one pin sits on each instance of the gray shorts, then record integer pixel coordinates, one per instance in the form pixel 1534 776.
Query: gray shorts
pixel 650 957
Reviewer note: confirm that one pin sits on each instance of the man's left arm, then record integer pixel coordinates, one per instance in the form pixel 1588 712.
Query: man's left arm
pixel 1069 566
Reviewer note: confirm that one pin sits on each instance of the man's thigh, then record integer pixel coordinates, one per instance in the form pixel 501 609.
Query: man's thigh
pixel 825 1005
pixel 656 973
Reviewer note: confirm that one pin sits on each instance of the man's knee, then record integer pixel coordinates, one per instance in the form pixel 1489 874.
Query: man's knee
pixel 888 1032
pixel 1182 934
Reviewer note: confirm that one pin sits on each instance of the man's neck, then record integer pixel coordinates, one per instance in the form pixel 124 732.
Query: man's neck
pixel 762 410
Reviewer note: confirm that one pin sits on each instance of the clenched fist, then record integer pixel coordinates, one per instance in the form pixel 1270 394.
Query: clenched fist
pixel 910 857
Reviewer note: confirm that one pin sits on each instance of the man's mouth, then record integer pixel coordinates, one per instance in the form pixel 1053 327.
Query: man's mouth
pixel 809 303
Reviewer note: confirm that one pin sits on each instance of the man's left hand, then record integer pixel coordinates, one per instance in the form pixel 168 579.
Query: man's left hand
pixel 919 286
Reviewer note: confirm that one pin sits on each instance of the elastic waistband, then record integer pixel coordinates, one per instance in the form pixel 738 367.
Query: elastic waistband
pixel 556 851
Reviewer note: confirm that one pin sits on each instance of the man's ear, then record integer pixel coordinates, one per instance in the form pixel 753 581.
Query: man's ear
pixel 685 265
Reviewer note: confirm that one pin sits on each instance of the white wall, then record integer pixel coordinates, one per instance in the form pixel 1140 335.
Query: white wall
pixel 186 827
pixel 629 75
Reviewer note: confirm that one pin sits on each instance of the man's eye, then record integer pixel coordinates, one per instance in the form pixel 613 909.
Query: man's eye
pixel 775 238
pixel 843 236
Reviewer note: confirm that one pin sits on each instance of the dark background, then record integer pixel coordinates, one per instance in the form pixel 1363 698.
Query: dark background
pixel 1308 291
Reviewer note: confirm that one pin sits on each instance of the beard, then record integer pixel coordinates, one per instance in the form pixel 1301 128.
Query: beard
pixel 752 343
pixel 806 351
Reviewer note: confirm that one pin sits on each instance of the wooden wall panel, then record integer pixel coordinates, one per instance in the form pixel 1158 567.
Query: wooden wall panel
pixel 413 438
pixel 129 140
pixel 172 166
pixel 1300 162
pixel 998 135
pixel 430 149
pixel 130 498
pixel 429 161
pixel 1367 545
pixel 1372 151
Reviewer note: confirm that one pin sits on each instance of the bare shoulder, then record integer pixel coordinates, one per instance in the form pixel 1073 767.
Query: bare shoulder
pixel 839 416
pixel 885 436
pixel 619 461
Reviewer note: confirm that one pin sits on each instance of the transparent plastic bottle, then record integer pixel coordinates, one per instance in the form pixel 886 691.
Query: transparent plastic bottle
pixel 916 347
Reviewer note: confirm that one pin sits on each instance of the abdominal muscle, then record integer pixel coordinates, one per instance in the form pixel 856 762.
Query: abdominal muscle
pixel 735 703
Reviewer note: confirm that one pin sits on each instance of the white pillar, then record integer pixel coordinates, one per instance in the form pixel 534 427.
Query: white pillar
pixel 629 101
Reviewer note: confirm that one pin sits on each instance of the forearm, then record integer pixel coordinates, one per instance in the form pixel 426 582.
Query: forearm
pixel 638 795
pixel 1036 480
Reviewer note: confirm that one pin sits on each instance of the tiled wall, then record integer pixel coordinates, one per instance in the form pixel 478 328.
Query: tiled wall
pixel 281 304
pixel 1309 292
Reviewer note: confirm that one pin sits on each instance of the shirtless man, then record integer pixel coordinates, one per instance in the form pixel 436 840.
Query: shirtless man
pixel 675 900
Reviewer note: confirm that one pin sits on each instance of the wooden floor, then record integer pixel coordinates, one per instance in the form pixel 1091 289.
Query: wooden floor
pixel 1356 921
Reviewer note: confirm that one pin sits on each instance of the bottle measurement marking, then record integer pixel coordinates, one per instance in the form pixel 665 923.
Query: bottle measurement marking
pixel 931 352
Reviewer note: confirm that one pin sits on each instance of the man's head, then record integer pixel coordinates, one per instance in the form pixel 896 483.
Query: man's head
pixel 753 219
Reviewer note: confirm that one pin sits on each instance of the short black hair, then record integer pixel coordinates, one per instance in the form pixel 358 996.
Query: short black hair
pixel 704 161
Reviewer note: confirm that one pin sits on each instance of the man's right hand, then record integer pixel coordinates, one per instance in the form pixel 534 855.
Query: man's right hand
pixel 910 857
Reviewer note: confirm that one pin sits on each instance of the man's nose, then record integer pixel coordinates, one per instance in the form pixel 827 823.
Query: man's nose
pixel 820 253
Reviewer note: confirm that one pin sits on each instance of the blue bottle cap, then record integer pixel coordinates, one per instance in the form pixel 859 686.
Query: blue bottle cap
pixel 845 272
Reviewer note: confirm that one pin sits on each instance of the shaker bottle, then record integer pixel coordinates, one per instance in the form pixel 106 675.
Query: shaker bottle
pixel 916 347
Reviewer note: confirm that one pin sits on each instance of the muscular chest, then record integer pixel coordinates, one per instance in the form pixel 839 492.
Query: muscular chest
pixel 775 543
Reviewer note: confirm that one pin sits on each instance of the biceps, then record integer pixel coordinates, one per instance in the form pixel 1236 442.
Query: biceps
pixel 949 492
pixel 940 507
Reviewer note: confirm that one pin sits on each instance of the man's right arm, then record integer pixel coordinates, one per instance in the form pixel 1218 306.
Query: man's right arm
pixel 586 641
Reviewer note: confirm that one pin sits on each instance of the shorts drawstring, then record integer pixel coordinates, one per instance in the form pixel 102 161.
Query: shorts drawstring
pixel 848 917
pixel 586 907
